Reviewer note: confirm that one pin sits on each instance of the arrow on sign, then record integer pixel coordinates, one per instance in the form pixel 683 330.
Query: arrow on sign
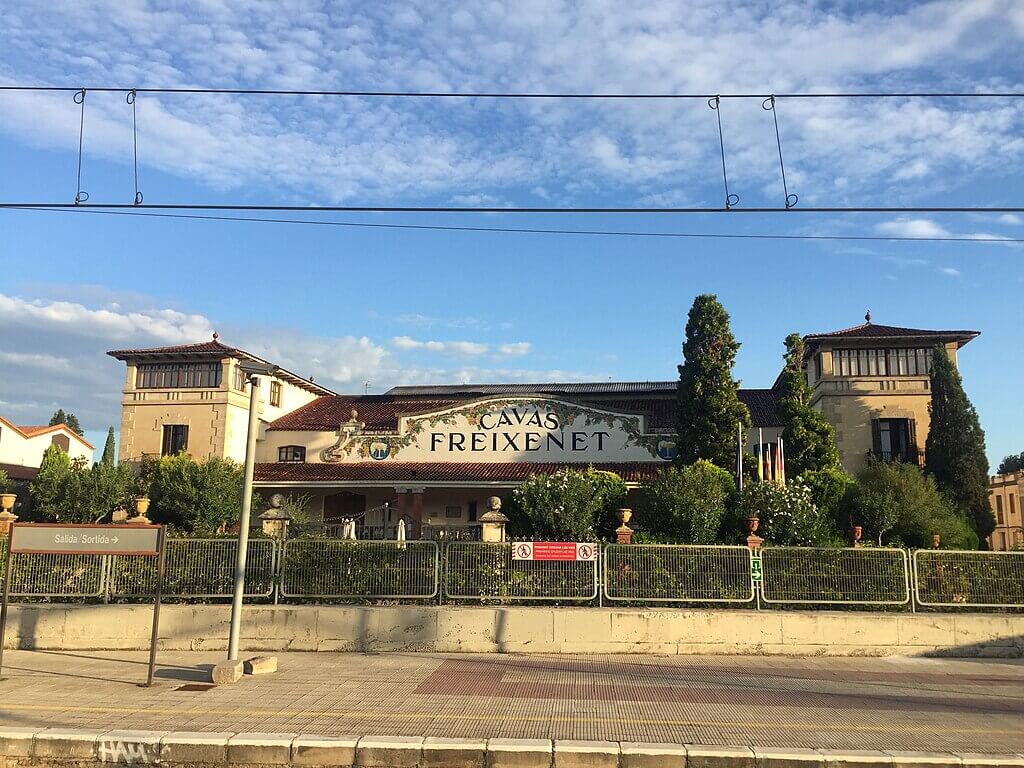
pixel 115 539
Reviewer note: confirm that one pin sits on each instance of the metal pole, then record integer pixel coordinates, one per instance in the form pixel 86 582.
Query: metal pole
pixel 243 521
pixel 155 636
pixel 7 594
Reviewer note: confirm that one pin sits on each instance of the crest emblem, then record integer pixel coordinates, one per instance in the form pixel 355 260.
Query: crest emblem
pixel 379 450
pixel 667 450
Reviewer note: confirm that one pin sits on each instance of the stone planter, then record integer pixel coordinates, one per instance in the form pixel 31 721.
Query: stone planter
pixel 7 501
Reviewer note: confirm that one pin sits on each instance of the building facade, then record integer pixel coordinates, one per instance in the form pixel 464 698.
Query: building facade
pixel 195 399
pixel 22 448
pixel 1004 496
pixel 432 455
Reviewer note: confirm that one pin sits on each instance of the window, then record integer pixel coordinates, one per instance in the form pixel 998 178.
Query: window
pixel 1013 503
pixel 239 379
pixel 895 440
pixel 999 510
pixel 175 439
pixel 472 512
pixel 61 441
pixel 275 394
pixel 178 376
pixel 453 512
pixel 292 453
pixel 882 362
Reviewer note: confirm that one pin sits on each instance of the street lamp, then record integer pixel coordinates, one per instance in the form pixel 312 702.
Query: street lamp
pixel 252 370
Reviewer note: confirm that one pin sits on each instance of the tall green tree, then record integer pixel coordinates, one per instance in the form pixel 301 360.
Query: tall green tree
pixel 810 440
pixel 59 417
pixel 47 489
pixel 708 408
pixel 108 449
pixel 955 449
pixel 1012 463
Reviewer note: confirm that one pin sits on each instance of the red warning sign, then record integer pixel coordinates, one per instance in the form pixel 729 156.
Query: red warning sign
pixel 554 550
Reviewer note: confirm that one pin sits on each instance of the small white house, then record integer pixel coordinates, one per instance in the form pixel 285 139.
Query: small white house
pixel 21 447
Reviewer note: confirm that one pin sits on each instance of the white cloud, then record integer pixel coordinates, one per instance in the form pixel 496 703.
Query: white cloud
pixel 36 360
pixel 1011 218
pixel 515 349
pixel 455 348
pixel 950 271
pixel 912 228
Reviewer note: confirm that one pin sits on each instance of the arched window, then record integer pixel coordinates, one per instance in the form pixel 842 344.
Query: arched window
pixel 291 453
pixel 62 442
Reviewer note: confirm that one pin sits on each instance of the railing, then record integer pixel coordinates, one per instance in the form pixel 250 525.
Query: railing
pixel 670 573
pixel 332 568
pixel 486 572
pixel 947 578
pixel 865 576
pixel 196 568
pixel 463 571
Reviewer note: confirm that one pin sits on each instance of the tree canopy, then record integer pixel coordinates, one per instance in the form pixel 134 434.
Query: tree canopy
pixel 708 409
pixel 69 419
pixel 810 440
pixel 955 448
pixel 1012 463
pixel 108 449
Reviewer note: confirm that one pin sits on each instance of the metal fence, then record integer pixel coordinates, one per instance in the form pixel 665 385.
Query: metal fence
pixel 487 572
pixel 672 573
pixel 340 568
pixel 196 568
pixel 947 578
pixel 867 576
pixel 53 575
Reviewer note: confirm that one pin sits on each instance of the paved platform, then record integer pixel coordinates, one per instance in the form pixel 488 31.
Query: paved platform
pixel 896 703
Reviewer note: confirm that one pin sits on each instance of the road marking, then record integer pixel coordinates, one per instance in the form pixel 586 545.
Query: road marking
pixel 499 717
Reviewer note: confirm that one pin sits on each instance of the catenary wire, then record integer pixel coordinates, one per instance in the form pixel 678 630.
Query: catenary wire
pixel 532 95
pixel 471 209
pixel 539 231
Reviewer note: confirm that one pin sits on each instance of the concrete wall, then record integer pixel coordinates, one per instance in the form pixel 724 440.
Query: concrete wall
pixel 450 629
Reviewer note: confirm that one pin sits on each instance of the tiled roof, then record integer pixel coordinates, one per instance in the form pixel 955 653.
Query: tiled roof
pixel 34 429
pixel 875 331
pixel 216 350
pixel 393 471
pixel 381 412
pixel 463 391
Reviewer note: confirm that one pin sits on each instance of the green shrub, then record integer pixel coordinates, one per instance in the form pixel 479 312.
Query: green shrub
pixel 827 487
pixel 198 497
pixel 788 515
pixel 898 504
pixel 5 484
pixel 686 504
pixel 564 506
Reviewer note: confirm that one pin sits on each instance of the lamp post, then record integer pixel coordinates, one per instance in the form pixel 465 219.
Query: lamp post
pixel 252 371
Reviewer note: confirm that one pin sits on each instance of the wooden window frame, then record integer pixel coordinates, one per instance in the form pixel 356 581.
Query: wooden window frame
pixel 291 454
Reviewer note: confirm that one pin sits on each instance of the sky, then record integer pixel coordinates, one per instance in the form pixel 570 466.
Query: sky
pixel 363 308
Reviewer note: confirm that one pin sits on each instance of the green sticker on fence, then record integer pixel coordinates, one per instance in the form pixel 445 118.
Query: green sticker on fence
pixel 755 569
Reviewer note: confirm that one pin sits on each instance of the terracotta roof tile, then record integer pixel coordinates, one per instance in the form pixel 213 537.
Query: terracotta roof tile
pixel 875 331
pixel 393 471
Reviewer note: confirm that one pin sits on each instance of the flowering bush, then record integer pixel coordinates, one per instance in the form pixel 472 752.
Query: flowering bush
pixel 788 515
pixel 564 506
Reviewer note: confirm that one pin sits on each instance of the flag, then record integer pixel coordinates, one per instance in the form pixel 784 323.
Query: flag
pixel 768 463
pixel 739 456
pixel 760 456
pixel 782 462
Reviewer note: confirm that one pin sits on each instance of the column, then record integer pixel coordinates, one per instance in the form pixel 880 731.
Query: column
pixel 400 505
pixel 417 512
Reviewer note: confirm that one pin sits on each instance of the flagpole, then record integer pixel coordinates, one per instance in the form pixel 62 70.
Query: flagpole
pixel 739 456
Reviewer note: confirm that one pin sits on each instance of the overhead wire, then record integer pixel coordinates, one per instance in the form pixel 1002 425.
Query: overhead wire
pixel 540 231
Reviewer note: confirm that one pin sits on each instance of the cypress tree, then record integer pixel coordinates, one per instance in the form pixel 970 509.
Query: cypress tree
pixel 708 407
pixel 810 439
pixel 955 449
pixel 108 449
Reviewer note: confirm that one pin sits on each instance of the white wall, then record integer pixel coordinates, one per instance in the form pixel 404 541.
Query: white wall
pixel 15 448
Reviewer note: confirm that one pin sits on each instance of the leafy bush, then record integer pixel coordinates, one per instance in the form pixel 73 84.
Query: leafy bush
pixel 686 504
pixel 199 497
pixel 564 506
pixel 612 490
pixel 72 492
pixel 897 503
pixel 827 487
pixel 788 515
pixel 5 483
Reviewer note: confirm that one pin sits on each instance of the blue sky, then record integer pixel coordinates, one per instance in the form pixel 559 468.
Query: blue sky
pixel 350 305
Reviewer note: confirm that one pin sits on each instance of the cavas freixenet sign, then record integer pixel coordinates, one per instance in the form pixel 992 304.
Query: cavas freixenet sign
pixel 508 430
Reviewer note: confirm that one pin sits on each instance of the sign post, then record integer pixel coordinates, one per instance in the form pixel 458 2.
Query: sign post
pixel 89 539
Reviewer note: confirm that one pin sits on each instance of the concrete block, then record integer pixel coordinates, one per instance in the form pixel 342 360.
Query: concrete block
pixel 17 742
pixel 719 757
pixel 195 747
pixel 453 753
pixel 903 759
pixel 519 753
pixel 929 630
pixel 130 747
pixel 857 758
pixel 324 750
pixel 260 665
pixel 36 626
pixel 264 748
pixel 65 743
pixel 651 755
pixel 583 627
pixel 469 630
pixel 406 628
pixel 389 751
pixel 525 630
pixel 227 672
pixel 978 760
pixel 279 628
pixel 781 757
pixel 570 753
